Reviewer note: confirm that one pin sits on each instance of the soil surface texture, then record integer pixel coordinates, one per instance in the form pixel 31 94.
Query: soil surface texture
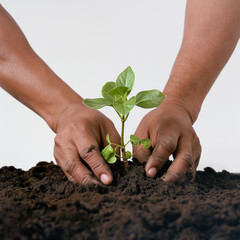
pixel 42 204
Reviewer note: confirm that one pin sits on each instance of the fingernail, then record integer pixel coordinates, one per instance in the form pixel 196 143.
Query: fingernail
pixel 152 172
pixel 105 178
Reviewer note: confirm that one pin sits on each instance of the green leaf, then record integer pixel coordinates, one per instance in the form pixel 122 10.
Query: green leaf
pixel 107 152
pixel 146 143
pixel 106 88
pixel 149 99
pixel 119 91
pixel 126 78
pixel 124 107
pixel 134 140
pixel 97 103
pixel 112 159
pixel 128 155
pixel 108 139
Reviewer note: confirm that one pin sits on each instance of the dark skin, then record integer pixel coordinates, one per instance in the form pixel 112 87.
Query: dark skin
pixel 26 77
pixel 212 30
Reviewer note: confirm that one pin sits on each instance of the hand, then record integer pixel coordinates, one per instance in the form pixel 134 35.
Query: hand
pixel 81 133
pixel 170 129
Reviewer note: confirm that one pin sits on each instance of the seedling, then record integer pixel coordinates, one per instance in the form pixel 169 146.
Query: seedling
pixel 115 95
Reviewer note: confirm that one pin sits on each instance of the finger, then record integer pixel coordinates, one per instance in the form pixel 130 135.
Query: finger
pixel 70 178
pixel 183 165
pixel 71 165
pixel 197 150
pixel 89 152
pixel 78 172
pixel 191 173
pixel 143 154
pixel 166 145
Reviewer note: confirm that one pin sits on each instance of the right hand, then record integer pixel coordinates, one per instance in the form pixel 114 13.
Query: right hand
pixel 81 133
pixel 170 129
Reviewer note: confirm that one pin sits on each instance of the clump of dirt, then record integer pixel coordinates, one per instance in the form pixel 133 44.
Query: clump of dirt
pixel 42 204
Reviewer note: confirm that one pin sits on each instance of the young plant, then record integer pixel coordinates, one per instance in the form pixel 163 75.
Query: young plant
pixel 115 95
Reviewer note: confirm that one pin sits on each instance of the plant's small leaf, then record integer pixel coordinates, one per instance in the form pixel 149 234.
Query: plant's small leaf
pixel 96 103
pixel 126 78
pixel 119 91
pixel 124 107
pixel 134 140
pixel 128 154
pixel 107 152
pixel 112 159
pixel 146 143
pixel 149 99
pixel 106 88
pixel 108 139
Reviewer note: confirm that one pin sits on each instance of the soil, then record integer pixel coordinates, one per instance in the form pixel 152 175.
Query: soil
pixel 42 204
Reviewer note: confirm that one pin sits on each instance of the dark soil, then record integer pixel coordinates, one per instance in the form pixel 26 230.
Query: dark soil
pixel 42 204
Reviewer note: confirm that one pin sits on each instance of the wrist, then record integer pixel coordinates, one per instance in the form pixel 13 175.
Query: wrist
pixel 190 107
pixel 185 87
pixel 60 110
pixel 68 115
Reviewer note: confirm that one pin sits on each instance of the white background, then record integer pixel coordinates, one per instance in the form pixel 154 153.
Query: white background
pixel 90 42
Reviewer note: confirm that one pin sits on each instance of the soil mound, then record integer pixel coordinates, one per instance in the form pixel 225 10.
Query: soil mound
pixel 42 204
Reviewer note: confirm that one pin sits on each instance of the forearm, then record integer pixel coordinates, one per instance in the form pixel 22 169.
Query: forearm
pixel 26 77
pixel 211 32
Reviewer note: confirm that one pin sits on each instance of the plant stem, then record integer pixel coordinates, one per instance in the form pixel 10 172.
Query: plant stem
pixel 118 114
pixel 127 143
pixel 138 151
pixel 118 156
pixel 119 146
pixel 124 119
pixel 125 161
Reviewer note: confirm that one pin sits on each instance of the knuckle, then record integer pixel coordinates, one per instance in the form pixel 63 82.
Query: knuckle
pixel 145 119
pixel 187 160
pixel 79 127
pixel 72 180
pixel 199 144
pixel 158 159
pixel 196 138
pixel 88 153
pixel 58 139
pixel 192 133
pixel 110 124
pixel 70 166
pixel 190 174
pixel 86 179
pixel 197 161
pixel 61 140
pixel 168 145
pixel 177 177
pixel 97 165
